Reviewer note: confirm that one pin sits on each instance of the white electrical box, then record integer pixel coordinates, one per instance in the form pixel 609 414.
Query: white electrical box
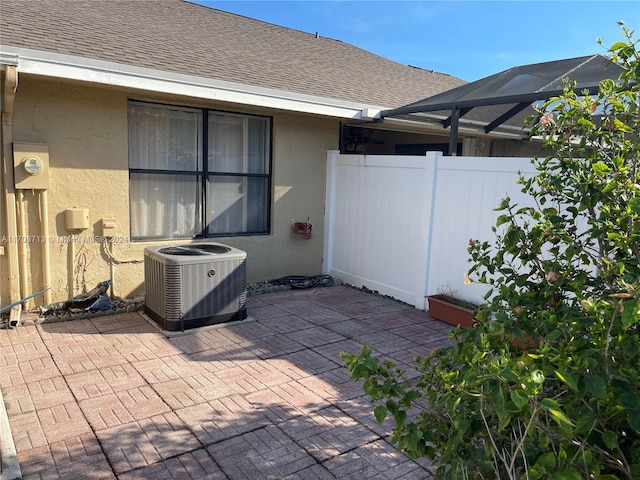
pixel 108 227
pixel 76 219
pixel 31 166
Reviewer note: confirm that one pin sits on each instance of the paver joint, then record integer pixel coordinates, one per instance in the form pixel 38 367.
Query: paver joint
pixel 114 398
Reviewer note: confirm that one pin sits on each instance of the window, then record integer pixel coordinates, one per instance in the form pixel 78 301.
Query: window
pixel 197 172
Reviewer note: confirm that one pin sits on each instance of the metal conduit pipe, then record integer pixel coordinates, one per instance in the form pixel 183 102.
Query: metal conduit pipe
pixel 8 97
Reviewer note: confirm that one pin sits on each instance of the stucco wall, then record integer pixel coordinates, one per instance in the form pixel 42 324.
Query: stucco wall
pixel 85 129
pixel 516 148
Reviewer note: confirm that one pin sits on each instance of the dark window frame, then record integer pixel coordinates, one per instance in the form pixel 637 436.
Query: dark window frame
pixel 203 175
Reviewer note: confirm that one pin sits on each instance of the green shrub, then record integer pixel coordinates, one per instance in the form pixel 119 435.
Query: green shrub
pixel 549 386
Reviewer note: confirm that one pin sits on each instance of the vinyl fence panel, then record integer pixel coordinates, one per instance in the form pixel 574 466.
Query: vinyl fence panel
pixel 377 223
pixel 401 225
pixel 468 190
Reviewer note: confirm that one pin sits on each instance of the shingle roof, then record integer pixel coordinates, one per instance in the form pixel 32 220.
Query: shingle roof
pixel 178 36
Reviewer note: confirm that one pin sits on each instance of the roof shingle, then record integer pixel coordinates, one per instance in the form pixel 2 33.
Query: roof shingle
pixel 182 37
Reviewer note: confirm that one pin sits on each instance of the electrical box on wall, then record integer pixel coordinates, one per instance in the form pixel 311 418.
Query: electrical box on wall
pixel 302 229
pixel 108 227
pixel 31 166
pixel 76 219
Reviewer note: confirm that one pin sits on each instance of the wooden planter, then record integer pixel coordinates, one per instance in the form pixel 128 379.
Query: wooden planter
pixel 448 312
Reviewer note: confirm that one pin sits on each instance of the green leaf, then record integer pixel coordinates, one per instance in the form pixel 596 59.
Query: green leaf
pixel 498 401
pixel 502 219
pixel 600 168
pixel 536 473
pixel 550 404
pixel 634 420
pixel 586 123
pixel 519 398
pixel 596 386
pixel 630 347
pixel 380 413
pixel 553 336
pixel 585 423
pixel 610 439
pixel 568 473
pixel 371 363
pixel 413 395
pixel 413 438
pixel 547 461
pixel 610 187
pixel 543 439
pixel 568 379
pixel 617 46
pixel 370 387
pixel 628 400
pixel 561 418
pixel 622 127
pixel 555 410
pixel 392 406
pixel 461 424
pixel 630 313
pixel 634 204
pixel 400 418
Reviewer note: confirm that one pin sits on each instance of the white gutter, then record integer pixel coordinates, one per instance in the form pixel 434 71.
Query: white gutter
pixel 127 76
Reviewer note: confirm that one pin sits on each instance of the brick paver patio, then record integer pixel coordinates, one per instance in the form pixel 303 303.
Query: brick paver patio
pixel 268 398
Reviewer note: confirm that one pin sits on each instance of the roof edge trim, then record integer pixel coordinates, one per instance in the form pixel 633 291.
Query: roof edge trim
pixel 467 127
pixel 116 74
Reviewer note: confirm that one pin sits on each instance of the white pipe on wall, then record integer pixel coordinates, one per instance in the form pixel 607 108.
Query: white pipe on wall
pixel 111 277
pixel 46 263
pixel 22 249
pixel 8 97
pixel 71 264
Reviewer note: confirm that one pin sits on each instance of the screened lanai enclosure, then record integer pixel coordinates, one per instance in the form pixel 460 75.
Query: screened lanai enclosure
pixel 497 105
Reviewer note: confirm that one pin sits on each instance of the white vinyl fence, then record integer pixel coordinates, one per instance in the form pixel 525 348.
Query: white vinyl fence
pixel 401 225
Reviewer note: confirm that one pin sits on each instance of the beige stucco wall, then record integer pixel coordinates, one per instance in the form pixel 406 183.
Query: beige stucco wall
pixel 516 148
pixel 85 128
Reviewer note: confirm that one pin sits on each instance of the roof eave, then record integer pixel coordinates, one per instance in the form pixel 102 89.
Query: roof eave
pixel 71 67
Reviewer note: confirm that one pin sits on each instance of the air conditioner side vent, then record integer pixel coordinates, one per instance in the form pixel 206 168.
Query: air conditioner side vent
pixel 242 301
pixel 172 292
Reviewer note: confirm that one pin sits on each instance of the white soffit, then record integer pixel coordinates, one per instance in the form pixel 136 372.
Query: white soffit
pixel 110 73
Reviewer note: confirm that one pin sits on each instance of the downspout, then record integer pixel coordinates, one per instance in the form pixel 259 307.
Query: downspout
pixel 9 193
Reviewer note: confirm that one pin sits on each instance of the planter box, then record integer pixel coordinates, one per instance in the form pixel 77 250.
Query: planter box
pixel 445 311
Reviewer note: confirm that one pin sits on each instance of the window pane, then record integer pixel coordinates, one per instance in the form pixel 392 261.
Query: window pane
pixel 238 144
pixel 238 204
pixel 164 138
pixel 165 206
pixel 258 145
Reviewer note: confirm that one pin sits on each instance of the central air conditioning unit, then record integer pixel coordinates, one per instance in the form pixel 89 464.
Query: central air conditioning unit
pixel 195 284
